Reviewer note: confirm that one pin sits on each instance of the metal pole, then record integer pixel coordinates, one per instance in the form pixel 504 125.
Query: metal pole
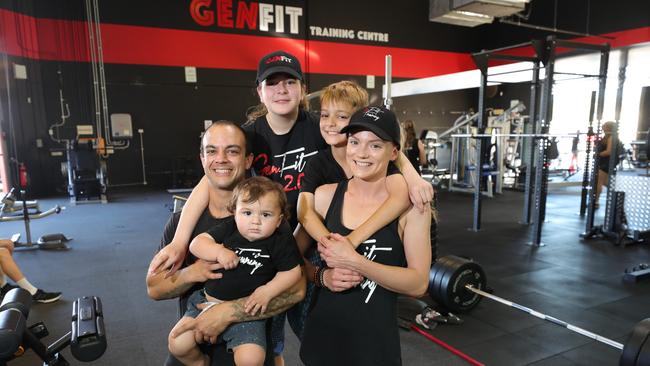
pixel 388 101
pixel 541 168
pixel 602 82
pixel 530 159
pixel 101 73
pixel 26 219
pixel 92 48
pixel 610 209
pixel 144 174
pixel 478 164
pixel 588 161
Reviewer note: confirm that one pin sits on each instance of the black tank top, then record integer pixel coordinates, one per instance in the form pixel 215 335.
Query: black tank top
pixel 362 320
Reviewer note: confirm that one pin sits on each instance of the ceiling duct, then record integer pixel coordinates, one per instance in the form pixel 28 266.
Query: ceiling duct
pixel 470 13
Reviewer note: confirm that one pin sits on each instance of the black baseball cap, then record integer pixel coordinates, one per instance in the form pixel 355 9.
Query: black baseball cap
pixel 378 120
pixel 278 62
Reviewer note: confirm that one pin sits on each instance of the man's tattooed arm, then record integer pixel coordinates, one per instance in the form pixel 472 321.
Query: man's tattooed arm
pixel 277 305
pixel 216 319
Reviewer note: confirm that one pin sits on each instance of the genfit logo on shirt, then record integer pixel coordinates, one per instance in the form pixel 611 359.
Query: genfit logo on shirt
pixel 246 15
pixel 289 166
pixel 370 252
pixel 249 256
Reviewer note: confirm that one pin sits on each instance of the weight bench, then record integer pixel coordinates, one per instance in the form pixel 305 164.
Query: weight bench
pixel 30 210
pixel 87 338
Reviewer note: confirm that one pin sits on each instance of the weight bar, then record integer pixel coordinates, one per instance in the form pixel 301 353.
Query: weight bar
pixel 536 135
pixel 458 284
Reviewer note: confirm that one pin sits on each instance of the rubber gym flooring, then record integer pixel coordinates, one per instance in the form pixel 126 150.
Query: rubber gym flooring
pixel 579 282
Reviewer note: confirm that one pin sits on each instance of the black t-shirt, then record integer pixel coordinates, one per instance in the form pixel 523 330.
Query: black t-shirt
pixel 363 319
pixel 324 169
pixel 218 354
pixel 282 158
pixel 259 260
pixel 206 221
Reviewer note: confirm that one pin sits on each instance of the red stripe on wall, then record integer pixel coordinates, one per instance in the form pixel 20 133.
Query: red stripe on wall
pixel 43 39
pixel 59 40
pixel 16 34
pixel 142 45
pixel 50 39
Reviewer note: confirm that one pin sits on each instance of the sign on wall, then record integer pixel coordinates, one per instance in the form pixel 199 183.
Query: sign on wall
pixel 270 17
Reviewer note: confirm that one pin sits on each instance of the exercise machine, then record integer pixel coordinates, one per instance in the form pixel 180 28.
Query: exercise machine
pixel 13 209
pixel 87 337
pixel 86 173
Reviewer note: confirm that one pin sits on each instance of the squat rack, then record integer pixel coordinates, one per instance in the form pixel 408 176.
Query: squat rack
pixel 546 52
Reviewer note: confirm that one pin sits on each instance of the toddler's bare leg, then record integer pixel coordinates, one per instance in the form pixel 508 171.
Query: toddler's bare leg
pixel 185 349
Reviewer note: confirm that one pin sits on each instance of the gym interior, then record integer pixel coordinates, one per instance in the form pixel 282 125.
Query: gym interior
pixel 103 105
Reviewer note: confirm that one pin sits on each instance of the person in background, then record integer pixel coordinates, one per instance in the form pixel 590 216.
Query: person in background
pixel 605 151
pixel 573 167
pixel 413 147
pixel 9 268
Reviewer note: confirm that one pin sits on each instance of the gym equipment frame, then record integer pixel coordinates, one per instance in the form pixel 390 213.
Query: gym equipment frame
pixel 49 241
pixel 540 111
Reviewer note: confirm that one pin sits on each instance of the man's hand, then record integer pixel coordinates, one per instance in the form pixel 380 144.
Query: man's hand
pixel 421 193
pixel 258 301
pixel 170 258
pixel 339 279
pixel 337 251
pixel 201 271
pixel 226 257
pixel 207 326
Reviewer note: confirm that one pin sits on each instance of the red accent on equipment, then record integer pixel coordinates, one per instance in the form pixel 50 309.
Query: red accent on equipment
pixel 22 174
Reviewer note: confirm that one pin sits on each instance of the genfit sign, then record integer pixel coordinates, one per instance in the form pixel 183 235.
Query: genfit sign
pixel 246 15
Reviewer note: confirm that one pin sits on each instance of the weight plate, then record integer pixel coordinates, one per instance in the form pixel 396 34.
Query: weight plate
pixel 442 272
pixel 451 267
pixel 468 274
pixel 458 273
pixel 435 267
pixel 458 297
pixel 644 354
pixel 634 344
pixel 436 271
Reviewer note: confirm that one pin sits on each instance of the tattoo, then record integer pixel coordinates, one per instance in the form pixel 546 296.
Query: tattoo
pixel 170 288
pixel 176 292
pixel 276 306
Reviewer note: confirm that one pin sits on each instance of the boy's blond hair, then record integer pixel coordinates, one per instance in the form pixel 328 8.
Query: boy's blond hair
pixel 345 91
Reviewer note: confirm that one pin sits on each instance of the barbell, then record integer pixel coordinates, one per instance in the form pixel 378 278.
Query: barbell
pixel 535 135
pixel 459 284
